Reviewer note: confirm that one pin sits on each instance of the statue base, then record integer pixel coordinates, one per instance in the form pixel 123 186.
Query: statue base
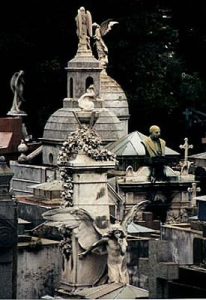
pixel 14 113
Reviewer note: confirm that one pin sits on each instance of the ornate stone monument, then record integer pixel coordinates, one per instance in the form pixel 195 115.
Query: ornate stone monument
pixel 84 218
pixel 168 190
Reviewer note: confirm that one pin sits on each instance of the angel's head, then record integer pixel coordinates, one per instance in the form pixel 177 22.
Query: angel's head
pixel 82 9
pixel 116 231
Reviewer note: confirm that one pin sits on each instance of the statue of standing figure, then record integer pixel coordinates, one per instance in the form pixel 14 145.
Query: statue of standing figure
pixel 17 87
pixel 84 28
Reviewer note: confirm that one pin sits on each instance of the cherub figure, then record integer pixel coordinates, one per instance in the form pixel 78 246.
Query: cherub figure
pixel 100 31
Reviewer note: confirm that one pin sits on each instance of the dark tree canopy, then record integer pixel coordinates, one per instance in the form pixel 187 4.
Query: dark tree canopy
pixel 157 54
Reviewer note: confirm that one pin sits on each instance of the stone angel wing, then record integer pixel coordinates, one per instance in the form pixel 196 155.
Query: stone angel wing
pixel 89 22
pixel 106 26
pixel 78 220
pixel 128 218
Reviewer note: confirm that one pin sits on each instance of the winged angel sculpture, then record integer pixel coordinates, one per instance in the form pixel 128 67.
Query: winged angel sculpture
pixel 100 31
pixel 84 28
pixel 96 236
pixel 17 87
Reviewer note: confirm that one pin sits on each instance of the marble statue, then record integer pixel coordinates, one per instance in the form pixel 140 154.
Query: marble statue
pixel 86 100
pixel 95 236
pixel 99 32
pixel 84 28
pixel 115 239
pixel 17 87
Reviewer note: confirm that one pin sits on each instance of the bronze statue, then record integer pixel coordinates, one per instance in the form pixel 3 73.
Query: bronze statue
pixel 154 145
pixel 84 28
pixel 155 150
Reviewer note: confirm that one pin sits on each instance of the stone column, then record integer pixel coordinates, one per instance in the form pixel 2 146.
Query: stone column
pixel 90 192
pixel 8 235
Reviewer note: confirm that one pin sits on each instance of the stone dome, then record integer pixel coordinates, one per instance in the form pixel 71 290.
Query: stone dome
pixel 115 100
pixel 66 120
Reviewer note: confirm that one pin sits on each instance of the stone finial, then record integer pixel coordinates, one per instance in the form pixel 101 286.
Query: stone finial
pixel 22 148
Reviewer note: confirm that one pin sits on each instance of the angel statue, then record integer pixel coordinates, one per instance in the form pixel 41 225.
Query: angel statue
pixel 97 237
pixel 84 28
pixel 100 31
pixel 17 87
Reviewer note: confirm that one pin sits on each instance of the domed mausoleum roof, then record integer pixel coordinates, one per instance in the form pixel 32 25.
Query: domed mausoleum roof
pixel 131 145
pixel 115 100
pixel 113 96
pixel 60 124
pixel 64 121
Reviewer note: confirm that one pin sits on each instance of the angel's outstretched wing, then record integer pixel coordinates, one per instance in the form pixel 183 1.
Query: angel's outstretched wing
pixel 106 26
pixel 128 218
pixel 77 220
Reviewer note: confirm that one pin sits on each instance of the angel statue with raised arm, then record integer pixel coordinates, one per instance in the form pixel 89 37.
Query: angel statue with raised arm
pixel 115 240
pixel 96 237
pixel 99 32
pixel 84 28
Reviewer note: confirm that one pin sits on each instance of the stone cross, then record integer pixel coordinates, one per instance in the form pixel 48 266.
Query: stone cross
pixel 193 193
pixel 186 164
pixel 186 147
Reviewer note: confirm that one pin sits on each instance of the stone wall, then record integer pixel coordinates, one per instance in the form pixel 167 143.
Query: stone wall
pixel 137 247
pixel 181 243
pixel 38 270
pixel 27 175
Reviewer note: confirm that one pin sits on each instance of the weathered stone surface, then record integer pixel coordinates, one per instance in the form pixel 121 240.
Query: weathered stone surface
pixel 26 175
pixel 8 235
pixel 38 269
